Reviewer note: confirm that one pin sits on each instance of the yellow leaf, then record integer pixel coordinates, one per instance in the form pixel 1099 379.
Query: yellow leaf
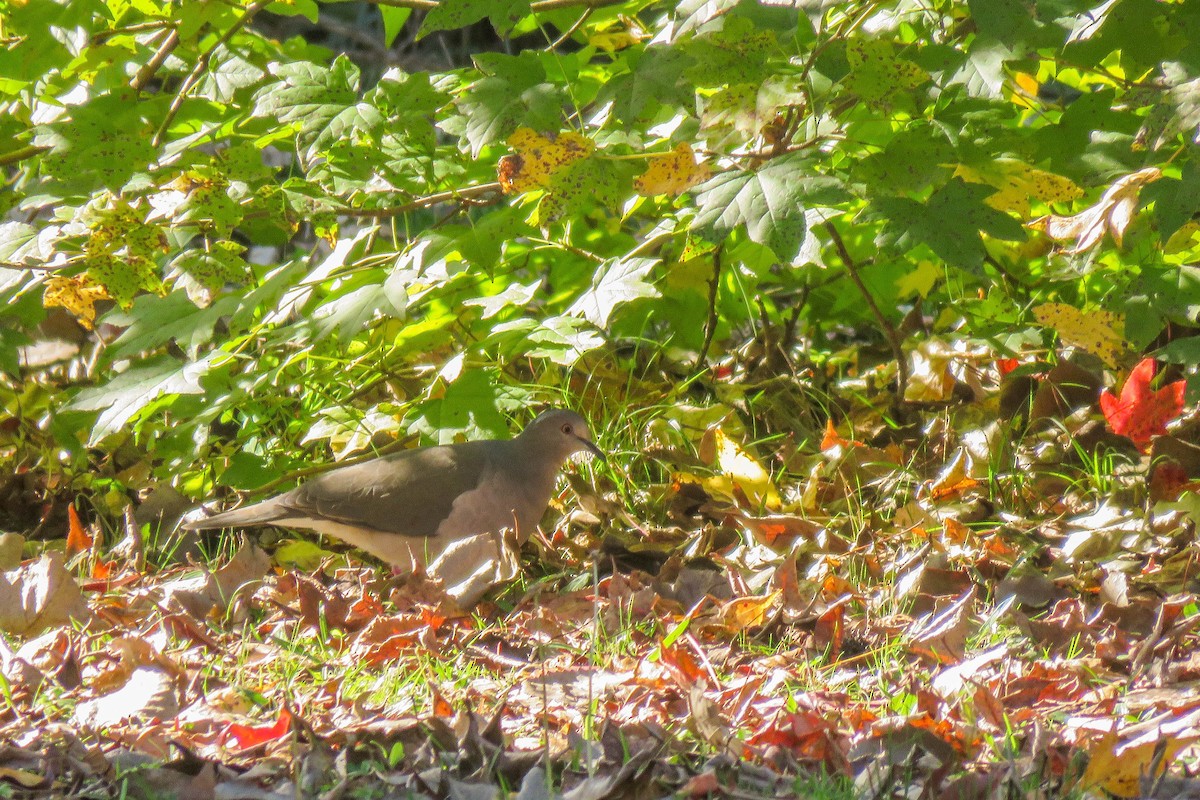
pixel 1016 182
pixel 1183 238
pixel 739 471
pixel 1099 332
pixel 921 280
pixel 749 612
pixel 77 295
pixel 1026 90
pixel 1120 759
pixel 672 173
pixel 539 157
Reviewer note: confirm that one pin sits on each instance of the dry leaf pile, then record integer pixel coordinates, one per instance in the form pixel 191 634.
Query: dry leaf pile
pixel 951 610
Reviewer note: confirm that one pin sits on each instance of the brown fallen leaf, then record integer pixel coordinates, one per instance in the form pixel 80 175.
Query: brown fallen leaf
pixel 150 693
pixel 200 594
pixel 1112 213
pixel 942 637
pixel 40 595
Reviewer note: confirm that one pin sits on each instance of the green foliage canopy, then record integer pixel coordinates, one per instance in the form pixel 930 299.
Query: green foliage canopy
pixel 272 237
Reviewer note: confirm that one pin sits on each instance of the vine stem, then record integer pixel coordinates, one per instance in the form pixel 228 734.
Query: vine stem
pixel 889 330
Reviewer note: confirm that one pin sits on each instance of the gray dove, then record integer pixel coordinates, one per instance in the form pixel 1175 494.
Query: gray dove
pixel 406 508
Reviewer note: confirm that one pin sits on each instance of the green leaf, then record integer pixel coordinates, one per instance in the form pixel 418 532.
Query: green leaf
pixel 914 159
pixel 10 344
pixel 516 294
pixel 455 14
pixel 353 305
pixel 737 53
pixel 654 82
pixel 949 223
pixel 393 22
pixel 617 281
pixel 768 201
pixel 101 144
pixel 125 395
pixel 469 408
pixel 153 321
pixel 513 95
pixel 1175 201
pixel 228 72
pixel 580 186
pixel 876 73
pixel 311 97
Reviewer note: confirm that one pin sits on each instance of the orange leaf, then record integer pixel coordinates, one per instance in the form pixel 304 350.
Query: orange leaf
pixel 1142 412
pixel 834 439
pixel 78 540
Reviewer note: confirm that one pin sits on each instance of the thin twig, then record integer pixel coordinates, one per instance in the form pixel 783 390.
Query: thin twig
pixel 20 154
pixel 537 7
pixel 466 193
pixel 151 67
pixel 710 324
pixel 587 12
pixel 141 27
pixel 889 330
pixel 202 65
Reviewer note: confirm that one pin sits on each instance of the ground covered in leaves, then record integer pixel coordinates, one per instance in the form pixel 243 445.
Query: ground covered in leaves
pixel 964 605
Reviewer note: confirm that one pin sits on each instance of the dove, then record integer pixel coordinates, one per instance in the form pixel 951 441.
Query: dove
pixel 406 508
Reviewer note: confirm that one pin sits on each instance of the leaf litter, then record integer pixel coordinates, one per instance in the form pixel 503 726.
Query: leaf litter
pixel 952 608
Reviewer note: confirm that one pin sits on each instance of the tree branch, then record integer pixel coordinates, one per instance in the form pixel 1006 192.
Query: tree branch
pixel 202 65
pixel 889 330
pixel 536 7
pixel 151 67
pixel 20 154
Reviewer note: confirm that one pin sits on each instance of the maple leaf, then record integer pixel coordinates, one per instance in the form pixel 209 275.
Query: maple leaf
pixel 539 157
pixel 1142 412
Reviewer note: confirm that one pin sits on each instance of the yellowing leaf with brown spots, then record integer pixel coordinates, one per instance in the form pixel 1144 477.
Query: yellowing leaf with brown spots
pixel 1112 213
pixel 1017 182
pixel 1099 332
pixel 672 173
pixel 77 294
pixel 1184 238
pixel 539 157
pixel 876 72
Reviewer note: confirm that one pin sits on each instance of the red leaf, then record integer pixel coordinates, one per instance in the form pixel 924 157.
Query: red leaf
pixel 244 736
pixel 1142 412
pixel 1007 365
